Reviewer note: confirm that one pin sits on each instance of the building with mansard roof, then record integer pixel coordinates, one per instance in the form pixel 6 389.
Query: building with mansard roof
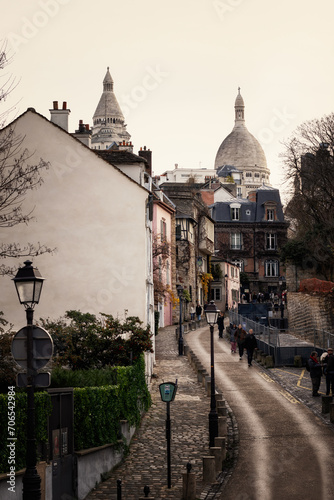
pixel 250 233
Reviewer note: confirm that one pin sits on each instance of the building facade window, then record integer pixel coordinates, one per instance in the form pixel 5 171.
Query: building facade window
pixel 271 268
pixel 235 213
pixel 235 241
pixel 271 241
pixel 270 214
pixel 239 263
pixel 184 230
pixel 216 294
pixel 163 230
pixel 168 273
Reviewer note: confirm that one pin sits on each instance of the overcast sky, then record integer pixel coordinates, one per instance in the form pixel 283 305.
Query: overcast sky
pixel 177 66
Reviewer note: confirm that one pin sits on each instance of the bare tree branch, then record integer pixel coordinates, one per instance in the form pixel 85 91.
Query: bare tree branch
pixel 19 174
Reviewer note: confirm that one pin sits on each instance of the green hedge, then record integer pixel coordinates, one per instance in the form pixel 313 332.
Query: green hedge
pixel 42 411
pixel 97 412
pixel 62 377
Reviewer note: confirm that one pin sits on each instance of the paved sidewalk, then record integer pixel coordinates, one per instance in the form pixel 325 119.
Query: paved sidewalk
pixel 146 463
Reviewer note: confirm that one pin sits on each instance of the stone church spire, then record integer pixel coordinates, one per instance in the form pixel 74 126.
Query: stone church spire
pixel 109 128
pixel 239 108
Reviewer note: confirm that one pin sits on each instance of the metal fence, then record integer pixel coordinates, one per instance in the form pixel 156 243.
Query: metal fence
pixel 285 349
pixel 267 334
pixel 323 339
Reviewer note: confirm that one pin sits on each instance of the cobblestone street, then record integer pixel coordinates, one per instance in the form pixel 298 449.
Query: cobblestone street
pixel 147 462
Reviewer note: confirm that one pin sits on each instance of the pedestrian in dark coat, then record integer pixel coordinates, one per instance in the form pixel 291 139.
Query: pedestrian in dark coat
pixel 198 311
pixel 315 373
pixel 233 329
pixel 329 371
pixel 220 323
pixel 240 336
pixel 250 345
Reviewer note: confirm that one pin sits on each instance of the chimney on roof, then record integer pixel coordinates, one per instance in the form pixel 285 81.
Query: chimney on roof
pixel 252 196
pixel 147 154
pixel 83 133
pixel 60 116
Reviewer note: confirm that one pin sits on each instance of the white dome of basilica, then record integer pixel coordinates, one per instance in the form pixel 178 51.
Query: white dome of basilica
pixel 240 148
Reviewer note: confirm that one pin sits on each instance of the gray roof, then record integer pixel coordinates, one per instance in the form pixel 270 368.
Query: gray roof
pixel 119 156
pixel 226 170
pixel 250 211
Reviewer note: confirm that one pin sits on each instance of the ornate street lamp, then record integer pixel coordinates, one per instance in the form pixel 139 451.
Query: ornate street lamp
pixel 179 289
pixel 28 283
pixel 226 292
pixel 211 314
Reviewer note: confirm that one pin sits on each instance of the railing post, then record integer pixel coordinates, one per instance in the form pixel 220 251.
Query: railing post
pixel 119 489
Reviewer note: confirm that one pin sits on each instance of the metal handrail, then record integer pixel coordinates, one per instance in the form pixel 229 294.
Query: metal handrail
pixel 269 333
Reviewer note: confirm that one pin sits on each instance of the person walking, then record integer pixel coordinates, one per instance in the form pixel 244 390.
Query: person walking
pixel 233 341
pixel 220 323
pixel 198 311
pixel 328 362
pixel 192 312
pixel 315 373
pixel 250 346
pixel 240 336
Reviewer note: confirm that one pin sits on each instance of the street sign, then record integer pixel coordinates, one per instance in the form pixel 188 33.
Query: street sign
pixel 40 380
pixel 42 347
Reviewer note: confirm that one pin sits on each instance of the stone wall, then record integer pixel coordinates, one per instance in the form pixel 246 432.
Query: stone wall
pixel 309 312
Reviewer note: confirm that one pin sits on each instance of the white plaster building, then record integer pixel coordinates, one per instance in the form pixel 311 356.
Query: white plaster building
pixel 196 175
pixel 96 217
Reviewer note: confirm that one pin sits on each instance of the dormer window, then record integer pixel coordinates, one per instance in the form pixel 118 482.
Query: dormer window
pixel 235 211
pixel 270 214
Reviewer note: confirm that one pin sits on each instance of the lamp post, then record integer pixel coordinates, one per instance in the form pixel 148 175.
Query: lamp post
pixel 226 293
pixel 28 282
pixel 211 314
pixel 179 289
